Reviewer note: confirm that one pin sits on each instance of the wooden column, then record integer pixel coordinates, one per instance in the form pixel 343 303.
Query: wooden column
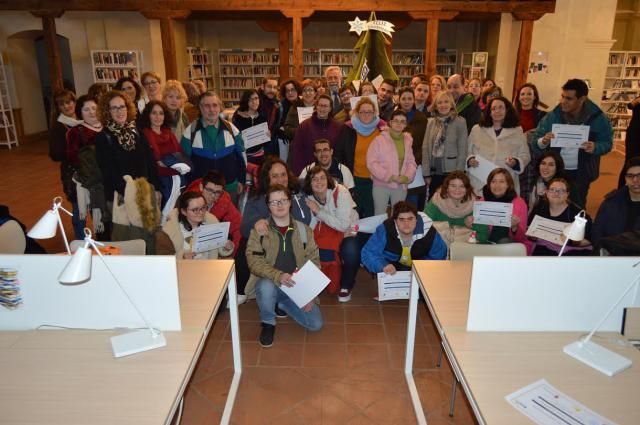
pixel 51 46
pixel 283 44
pixel 524 48
pixel 296 15
pixel 432 22
pixel 168 38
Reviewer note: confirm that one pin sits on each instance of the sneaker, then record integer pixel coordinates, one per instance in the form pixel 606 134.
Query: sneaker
pixel 281 314
pixel 344 296
pixel 266 335
pixel 242 298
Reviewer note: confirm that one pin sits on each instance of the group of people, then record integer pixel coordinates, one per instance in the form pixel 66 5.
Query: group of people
pixel 298 196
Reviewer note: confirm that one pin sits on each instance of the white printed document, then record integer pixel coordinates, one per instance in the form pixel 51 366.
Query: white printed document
pixel 310 281
pixel 418 180
pixel 481 172
pixel 549 230
pixel 256 135
pixel 569 136
pixel 394 286
pixel 545 405
pixel 304 112
pixel 210 236
pixel 369 224
pixel 492 213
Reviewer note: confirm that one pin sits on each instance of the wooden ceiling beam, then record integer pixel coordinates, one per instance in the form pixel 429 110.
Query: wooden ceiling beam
pixel 165 14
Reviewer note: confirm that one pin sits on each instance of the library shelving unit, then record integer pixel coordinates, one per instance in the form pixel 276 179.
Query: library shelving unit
pixel 199 65
pixel 474 64
pixel 311 61
pixel 110 65
pixel 407 63
pixel 621 86
pixel 241 69
pixel 344 58
pixel 446 62
pixel 8 134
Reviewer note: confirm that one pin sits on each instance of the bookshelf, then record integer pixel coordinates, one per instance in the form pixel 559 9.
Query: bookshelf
pixel 311 61
pixel 407 63
pixel 199 65
pixel 621 86
pixel 446 62
pixel 110 65
pixel 474 64
pixel 343 58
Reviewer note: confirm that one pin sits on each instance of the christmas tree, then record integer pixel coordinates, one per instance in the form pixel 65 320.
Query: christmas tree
pixel 372 57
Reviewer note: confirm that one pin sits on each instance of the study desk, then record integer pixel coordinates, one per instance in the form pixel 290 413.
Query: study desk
pixel 71 377
pixel 492 365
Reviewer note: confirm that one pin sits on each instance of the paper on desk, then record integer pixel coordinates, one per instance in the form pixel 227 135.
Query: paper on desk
pixel 418 180
pixel 394 287
pixel 492 213
pixel 310 281
pixel 369 224
pixel 569 136
pixel 210 236
pixel 549 230
pixel 545 405
pixel 304 112
pixel 355 99
pixel 481 172
pixel 256 135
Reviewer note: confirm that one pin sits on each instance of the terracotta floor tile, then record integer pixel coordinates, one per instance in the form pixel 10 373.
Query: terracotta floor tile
pixel 325 355
pixel 364 356
pixel 333 313
pixel 249 312
pixel 281 354
pixel 215 388
pixel 325 408
pixel 361 419
pixel 250 352
pixel 423 357
pixel 362 314
pixel 249 331
pixel 218 330
pixel 395 314
pixel 397 334
pixel 286 418
pixel 324 376
pixel 330 333
pixel 393 410
pixel 198 409
pixel 365 334
pixel 290 332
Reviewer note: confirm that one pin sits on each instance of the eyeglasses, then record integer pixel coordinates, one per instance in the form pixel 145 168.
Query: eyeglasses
pixel 200 210
pixel 150 83
pixel 279 202
pixel 557 191
pixel 213 192
pixel 631 176
pixel 118 108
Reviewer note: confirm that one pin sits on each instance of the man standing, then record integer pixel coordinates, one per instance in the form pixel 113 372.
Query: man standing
pixel 333 77
pixel 324 157
pixel 345 93
pixel 271 109
pixel 385 99
pixel 466 105
pixel 215 144
pixel 421 94
pixel 583 163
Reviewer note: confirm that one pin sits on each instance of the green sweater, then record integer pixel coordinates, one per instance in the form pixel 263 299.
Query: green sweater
pixel 482 231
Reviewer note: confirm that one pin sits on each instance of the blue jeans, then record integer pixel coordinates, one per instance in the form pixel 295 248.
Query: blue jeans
pixel 350 254
pixel 268 295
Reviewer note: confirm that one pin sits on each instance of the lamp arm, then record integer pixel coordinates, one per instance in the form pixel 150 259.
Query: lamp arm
pixel 153 331
pixel 613 307
pixel 64 235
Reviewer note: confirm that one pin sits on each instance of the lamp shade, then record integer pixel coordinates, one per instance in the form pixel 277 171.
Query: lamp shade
pixel 78 269
pixel 46 227
pixel 575 231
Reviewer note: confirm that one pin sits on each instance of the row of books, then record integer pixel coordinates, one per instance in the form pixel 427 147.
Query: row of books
pixel 108 74
pixel 125 59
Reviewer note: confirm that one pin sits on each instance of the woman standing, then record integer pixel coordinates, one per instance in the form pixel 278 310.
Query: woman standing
pixel 174 97
pixel 152 84
pixel 438 84
pixel 475 88
pixel 308 100
pixel 499 138
pixel 333 228
pixel 351 150
pixel 132 89
pixel 391 163
pixel 247 116
pixel 444 148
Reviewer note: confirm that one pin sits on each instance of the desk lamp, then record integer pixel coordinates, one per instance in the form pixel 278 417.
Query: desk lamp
pixel 574 231
pixel 45 228
pixel 596 356
pixel 78 270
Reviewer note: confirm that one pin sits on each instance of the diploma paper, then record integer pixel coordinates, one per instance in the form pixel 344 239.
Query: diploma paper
pixel 481 172
pixel 394 287
pixel 369 224
pixel 377 82
pixel 310 281
pixel 256 135
pixel 354 101
pixel 545 405
pixel 493 213
pixel 210 236
pixel 569 136
pixel 304 112
pixel 418 180
pixel 549 230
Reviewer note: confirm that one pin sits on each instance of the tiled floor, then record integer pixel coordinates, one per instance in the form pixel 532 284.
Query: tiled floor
pixel 348 373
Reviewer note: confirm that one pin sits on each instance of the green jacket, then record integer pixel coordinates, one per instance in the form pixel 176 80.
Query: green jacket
pixel 482 231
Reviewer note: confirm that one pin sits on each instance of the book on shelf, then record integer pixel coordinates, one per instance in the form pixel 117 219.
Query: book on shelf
pixel 114 58
pixel 113 74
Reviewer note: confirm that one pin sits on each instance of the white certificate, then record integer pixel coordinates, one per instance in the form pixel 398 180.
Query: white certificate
pixel 377 82
pixel 569 136
pixel 304 112
pixel 355 99
pixel 481 172
pixel 256 135
pixel 310 281
pixel 549 230
pixel 492 213
pixel 210 236
pixel 418 180
pixel 394 286
pixel 545 405
pixel 369 224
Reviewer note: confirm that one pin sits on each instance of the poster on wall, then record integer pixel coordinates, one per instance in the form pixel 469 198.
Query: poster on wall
pixel 539 62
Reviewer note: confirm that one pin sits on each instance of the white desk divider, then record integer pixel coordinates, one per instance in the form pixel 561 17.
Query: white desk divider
pixel 541 294
pixel 151 281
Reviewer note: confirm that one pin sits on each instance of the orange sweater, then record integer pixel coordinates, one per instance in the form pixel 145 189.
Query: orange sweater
pixel 360 161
